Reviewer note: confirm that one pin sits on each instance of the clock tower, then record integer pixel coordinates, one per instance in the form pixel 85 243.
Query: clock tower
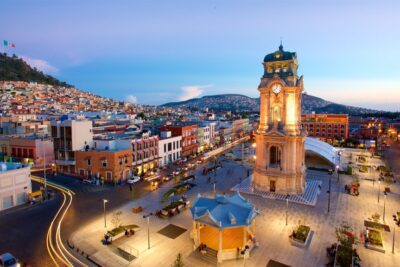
pixel 279 165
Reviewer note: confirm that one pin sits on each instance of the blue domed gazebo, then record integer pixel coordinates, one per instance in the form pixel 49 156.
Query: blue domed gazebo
pixel 225 224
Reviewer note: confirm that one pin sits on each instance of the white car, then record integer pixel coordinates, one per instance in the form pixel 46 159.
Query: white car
pixel 8 260
pixel 133 179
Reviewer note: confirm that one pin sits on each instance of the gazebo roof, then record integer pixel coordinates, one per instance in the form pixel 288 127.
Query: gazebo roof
pixel 224 211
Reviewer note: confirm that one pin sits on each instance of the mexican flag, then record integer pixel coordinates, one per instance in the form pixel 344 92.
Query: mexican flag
pixel 9 44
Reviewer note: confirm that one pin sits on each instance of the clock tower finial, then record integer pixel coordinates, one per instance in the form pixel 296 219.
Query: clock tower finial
pixel 281 46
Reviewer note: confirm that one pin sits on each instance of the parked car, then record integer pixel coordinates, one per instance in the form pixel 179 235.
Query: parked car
pixel 133 180
pixel 8 260
pixel 87 181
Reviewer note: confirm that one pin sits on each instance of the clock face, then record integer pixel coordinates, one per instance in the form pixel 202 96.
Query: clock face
pixel 276 88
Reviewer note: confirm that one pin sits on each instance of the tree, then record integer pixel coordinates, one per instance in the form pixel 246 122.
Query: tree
pixel 178 262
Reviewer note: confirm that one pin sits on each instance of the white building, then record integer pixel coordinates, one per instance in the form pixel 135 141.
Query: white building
pixel 15 184
pixel 169 148
pixel 209 132
pixel 70 136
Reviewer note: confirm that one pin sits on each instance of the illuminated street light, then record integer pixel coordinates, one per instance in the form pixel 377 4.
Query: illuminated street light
pixel 254 145
pixel 148 228
pixel 379 189
pixel 396 221
pixel 384 205
pixel 104 210
pixel 287 208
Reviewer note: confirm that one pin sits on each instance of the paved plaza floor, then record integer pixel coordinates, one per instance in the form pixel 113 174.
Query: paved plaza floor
pixel 271 231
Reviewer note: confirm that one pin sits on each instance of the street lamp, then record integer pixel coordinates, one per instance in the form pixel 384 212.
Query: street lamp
pixel 379 189
pixel 384 205
pixel 148 228
pixel 104 211
pixel 44 170
pixel 287 207
pixel 396 221
pixel 329 190
pixel 214 189
pixel 337 170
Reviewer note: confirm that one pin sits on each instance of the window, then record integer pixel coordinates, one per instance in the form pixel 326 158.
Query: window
pixel 169 146
pixel 89 162
pixel 104 163
pixel 274 156
pixel 165 148
pixel 120 162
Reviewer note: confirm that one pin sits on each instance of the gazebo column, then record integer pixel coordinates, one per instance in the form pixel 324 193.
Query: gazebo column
pixel 219 254
pixel 198 233
pixel 244 236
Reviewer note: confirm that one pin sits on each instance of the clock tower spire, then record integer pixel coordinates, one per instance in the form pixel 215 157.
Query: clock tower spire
pixel 279 165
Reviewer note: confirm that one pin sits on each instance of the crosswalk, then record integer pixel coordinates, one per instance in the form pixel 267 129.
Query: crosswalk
pixel 309 197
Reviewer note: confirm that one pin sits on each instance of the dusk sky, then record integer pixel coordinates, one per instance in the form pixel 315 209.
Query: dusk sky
pixel 154 52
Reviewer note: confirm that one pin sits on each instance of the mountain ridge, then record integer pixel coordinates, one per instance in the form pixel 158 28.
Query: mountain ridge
pixel 243 103
pixel 13 68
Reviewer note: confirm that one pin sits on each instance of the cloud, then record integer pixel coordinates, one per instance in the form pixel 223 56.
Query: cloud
pixel 131 99
pixel 40 64
pixel 192 91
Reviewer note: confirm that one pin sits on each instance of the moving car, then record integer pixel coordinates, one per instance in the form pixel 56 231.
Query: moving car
pixel 8 260
pixel 133 180
pixel 167 178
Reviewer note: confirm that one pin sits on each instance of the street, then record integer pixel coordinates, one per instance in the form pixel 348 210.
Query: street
pixel 23 231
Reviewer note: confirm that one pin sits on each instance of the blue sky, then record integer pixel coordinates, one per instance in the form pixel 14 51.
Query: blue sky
pixel 161 51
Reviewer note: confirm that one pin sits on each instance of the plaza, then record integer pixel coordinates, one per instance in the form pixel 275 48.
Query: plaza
pixel 271 230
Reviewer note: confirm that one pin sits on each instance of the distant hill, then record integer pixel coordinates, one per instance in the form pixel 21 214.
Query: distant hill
pixel 16 69
pixel 241 103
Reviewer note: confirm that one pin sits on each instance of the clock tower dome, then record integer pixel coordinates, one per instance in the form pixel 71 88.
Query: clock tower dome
pixel 280 153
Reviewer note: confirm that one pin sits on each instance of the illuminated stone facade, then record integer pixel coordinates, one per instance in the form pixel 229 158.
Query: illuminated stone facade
pixel 279 165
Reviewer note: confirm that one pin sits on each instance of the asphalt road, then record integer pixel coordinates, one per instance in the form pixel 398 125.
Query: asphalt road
pixel 23 231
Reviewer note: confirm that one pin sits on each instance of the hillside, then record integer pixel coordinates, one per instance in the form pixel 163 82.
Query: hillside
pixel 240 103
pixel 16 69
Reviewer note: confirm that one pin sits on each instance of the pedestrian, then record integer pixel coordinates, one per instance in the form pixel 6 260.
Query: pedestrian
pixel 209 179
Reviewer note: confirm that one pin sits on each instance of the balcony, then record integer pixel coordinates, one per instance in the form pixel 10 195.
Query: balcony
pixel 65 162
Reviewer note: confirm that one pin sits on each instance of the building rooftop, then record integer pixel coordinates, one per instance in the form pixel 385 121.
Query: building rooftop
pixel 224 211
pixel 280 55
pixel 9 166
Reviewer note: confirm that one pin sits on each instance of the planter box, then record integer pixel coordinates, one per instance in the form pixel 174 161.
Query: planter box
pixel 300 243
pixel 372 246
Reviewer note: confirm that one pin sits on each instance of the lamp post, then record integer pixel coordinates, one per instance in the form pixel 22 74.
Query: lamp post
pixel 148 228
pixel 329 190
pixel 44 170
pixel 338 166
pixel 214 189
pixel 337 171
pixel 104 211
pixel 396 221
pixel 384 205
pixel 379 189
pixel 287 208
